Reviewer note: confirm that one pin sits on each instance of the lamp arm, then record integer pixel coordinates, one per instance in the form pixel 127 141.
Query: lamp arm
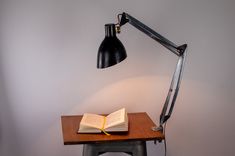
pixel 126 18
pixel 173 90
pixel 177 50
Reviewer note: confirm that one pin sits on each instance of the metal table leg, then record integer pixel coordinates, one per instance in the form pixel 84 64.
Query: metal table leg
pixel 134 148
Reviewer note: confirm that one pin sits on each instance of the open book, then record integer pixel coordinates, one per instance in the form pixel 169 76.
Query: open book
pixel 114 122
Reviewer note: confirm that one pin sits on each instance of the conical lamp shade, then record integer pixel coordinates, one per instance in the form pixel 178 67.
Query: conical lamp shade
pixel 111 50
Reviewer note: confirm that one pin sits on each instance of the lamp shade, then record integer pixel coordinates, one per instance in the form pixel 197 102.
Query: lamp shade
pixel 111 50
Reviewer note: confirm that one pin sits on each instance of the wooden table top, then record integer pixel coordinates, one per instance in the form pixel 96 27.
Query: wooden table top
pixel 139 129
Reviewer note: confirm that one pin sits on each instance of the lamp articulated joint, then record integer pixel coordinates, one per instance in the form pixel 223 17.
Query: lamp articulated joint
pixel 122 20
pixel 181 49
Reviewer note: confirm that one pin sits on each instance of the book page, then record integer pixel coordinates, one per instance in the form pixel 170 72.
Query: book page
pixel 92 120
pixel 123 127
pixel 115 118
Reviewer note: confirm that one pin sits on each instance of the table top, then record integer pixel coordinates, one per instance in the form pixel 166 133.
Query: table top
pixel 140 126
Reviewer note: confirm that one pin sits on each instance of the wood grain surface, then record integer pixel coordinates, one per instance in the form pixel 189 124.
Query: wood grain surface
pixel 139 129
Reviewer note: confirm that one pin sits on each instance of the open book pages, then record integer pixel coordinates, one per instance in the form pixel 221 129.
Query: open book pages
pixel 93 123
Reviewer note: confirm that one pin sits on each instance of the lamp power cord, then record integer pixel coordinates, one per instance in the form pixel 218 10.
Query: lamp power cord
pixel 164 132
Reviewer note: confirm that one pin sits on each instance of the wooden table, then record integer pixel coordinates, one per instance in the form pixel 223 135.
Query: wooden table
pixel 132 142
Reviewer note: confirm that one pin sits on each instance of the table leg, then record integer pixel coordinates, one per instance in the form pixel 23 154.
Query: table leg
pixel 134 148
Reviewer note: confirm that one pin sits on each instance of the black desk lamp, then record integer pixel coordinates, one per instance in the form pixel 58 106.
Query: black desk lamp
pixel 112 51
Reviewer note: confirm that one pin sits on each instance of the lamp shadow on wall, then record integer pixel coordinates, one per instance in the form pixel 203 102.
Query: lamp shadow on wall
pixel 3 103
pixel 8 130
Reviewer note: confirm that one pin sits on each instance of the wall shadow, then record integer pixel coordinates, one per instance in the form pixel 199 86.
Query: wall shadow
pixel 2 103
pixel 8 131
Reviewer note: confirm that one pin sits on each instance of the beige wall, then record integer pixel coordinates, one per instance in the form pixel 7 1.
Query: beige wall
pixel 48 69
